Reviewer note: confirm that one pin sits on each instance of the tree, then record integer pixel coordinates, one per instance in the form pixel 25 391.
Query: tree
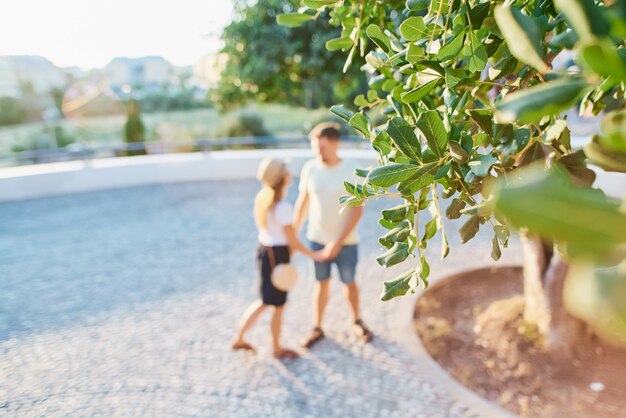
pixel 11 111
pixel 134 129
pixel 473 101
pixel 267 62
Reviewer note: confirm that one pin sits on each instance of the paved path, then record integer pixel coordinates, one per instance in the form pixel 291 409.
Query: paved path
pixel 122 304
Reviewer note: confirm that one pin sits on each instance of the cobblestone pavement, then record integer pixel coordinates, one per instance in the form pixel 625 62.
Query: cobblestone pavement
pixel 122 304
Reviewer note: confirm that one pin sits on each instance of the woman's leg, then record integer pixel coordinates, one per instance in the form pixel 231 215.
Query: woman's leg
pixel 279 352
pixel 251 315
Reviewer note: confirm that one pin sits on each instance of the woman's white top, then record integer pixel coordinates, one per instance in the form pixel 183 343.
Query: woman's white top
pixel 277 218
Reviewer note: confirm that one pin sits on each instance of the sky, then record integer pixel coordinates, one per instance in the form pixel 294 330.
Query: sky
pixel 89 33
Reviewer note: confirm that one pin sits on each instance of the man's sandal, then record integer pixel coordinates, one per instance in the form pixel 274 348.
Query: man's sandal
pixel 285 354
pixel 362 331
pixel 316 335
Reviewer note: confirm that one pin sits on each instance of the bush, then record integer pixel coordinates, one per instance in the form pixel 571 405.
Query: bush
pixel 242 124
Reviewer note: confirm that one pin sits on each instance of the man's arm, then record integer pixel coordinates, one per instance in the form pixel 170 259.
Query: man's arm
pixel 331 250
pixel 301 210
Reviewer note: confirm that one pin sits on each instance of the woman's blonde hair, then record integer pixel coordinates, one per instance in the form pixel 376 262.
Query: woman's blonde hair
pixel 272 174
pixel 265 200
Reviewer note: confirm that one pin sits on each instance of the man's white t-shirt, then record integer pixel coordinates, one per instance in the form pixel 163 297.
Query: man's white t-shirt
pixel 277 218
pixel 324 185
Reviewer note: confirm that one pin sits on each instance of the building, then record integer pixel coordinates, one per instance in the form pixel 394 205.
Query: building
pixel 19 70
pixel 144 71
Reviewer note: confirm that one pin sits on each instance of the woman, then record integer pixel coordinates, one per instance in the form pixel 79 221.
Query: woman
pixel 273 217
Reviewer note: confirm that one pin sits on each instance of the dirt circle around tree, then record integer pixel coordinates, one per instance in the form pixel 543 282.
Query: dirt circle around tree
pixel 472 325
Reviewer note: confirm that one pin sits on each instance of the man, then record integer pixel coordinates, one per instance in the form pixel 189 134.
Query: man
pixel 329 228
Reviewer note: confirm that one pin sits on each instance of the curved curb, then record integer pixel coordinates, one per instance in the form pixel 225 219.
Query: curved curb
pixel 474 403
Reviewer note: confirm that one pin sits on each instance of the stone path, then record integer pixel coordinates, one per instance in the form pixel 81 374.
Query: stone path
pixel 123 303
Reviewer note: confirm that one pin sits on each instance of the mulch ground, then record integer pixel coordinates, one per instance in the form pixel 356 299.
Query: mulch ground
pixel 472 325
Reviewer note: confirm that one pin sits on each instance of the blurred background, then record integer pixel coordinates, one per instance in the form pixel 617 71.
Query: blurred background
pixel 114 78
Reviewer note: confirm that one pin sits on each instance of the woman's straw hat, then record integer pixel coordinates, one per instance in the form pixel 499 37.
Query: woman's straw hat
pixel 271 171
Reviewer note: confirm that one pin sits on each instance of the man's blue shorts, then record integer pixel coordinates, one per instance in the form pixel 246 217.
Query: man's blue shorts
pixel 345 262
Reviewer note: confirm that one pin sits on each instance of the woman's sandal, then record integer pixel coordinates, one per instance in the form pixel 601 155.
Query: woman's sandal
pixel 243 346
pixel 362 331
pixel 316 335
pixel 286 354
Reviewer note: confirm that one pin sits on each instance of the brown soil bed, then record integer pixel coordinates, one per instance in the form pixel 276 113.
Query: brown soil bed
pixel 472 325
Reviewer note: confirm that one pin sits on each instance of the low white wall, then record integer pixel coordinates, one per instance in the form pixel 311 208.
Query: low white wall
pixel 28 182
pixel 41 180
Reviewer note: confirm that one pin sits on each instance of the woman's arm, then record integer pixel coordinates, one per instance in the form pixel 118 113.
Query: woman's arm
pixel 294 242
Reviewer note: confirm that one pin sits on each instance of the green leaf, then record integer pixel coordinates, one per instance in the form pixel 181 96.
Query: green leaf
pixel 417 5
pixel 469 229
pixel 614 131
pixel 455 77
pixel 495 249
pixel 360 172
pixel 422 178
pixel 382 143
pixel 476 54
pixel 430 229
pixel 522 36
pixel 376 59
pixel 359 122
pixel 420 92
pixel 478 14
pixel 566 39
pixel 445 248
pixel 602 58
pixel 480 166
pixel 546 99
pixel 606 159
pixel 339 43
pixel 360 101
pixel 454 210
pixel 414 53
pixel 388 175
pixel 376 34
pixel 398 234
pixel 372 95
pixel 457 152
pixel 550 206
pixel 585 17
pixel 431 125
pixel 413 29
pixel 502 68
pixel 425 270
pixel 396 213
pixel 404 138
pixel 502 232
pixel 451 49
pixel 342 112
pixel 317 4
pixel 396 254
pixel 484 119
pixel 396 287
pixel 293 20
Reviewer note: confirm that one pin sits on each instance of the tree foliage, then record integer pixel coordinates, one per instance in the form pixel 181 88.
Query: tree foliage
pixel 267 62
pixel 471 96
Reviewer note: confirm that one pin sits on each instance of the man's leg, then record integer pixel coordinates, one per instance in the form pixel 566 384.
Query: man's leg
pixel 346 264
pixel 320 298
pixel 320 301
pixel 352 296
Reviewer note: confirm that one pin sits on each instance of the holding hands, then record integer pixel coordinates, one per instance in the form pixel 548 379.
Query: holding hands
pixel 330 251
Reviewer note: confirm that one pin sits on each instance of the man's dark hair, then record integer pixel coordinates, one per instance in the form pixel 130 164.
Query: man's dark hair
pixel 329 130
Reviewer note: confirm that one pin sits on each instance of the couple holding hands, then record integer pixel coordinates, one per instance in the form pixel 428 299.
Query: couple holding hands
pixel 332 234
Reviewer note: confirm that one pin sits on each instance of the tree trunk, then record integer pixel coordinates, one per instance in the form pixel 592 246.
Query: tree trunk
pixel 544 278
pixel 536 262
